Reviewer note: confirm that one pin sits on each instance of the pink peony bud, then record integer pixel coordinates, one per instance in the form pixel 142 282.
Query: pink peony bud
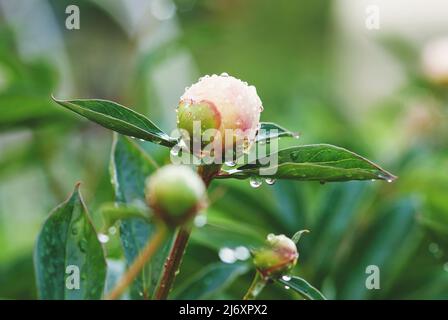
pixel 277 257
pixel 221 103
pixel 435 61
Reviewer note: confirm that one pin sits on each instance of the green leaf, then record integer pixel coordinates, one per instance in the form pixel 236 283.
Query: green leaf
pixel 302 287
pixel 68 238
pixel 224 232
pixel 319 162
pixel 130 166
pixel 118 118
pixel 115 270
pixel 210 280
pixel 389 243
pixel 269 130
pixel 338 209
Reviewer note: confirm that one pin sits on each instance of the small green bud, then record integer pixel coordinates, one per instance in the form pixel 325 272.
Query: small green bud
pixel 278 256
pixel 175 193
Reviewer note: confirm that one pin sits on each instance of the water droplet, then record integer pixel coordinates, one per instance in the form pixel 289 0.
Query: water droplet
pixel 227 255
pixel 175 150
pixel 224 74
pixel 286 287
pixel 200 220
pixel 242 253
pixel 255 182
pixel 75 231
pixel 433 248
pixel 230 163
pixel 296 135
pixel 271 237
pixel 270 181
pixel 103 238
pixel 286 278
pixel 112 230
pixel 389 180
pixel 83 245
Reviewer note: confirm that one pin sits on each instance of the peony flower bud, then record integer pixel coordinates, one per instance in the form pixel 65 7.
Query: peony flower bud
pixel 175 193
pixel 278 256
pixel 220 103
pixel 435 61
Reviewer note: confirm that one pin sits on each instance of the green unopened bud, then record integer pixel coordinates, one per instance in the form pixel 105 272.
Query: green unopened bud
pixel 175 193
pixel 278 256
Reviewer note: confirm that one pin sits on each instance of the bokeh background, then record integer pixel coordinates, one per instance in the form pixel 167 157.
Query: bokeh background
pixel 318 69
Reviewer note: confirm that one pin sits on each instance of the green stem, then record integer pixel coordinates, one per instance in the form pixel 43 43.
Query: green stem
pixel 173 263
pixel 145 255
pixel 256 287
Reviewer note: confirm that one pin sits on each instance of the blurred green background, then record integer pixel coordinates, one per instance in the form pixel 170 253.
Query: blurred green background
pixel 317 69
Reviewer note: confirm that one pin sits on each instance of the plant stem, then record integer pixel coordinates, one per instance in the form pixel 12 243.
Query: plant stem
pixel 174 259
pixel 256 287
pixel 146 254
pixel 173 262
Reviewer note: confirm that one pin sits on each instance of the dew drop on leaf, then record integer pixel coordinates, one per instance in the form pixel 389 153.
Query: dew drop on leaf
pixel 112 230
pixel 270 181
pixel 103 238
pixel 255 182
pixel 230 163
pixel 83 245
pixel 286 278
pixel 75 231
